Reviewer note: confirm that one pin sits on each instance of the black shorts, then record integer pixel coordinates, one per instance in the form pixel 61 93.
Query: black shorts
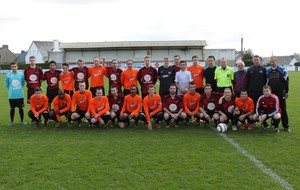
pixel 80 113
pixel 30 92
pixel 126 92
pixel 19 103
pixel 210 113
pixel 200 90
pixel 51 94
pixel 70 92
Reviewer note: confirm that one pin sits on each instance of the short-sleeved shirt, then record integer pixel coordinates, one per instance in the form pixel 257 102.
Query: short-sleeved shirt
pixel 15 82
pixel 224 77
pixel 183 78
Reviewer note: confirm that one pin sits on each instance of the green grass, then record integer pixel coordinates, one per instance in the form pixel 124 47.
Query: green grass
pixel 190 157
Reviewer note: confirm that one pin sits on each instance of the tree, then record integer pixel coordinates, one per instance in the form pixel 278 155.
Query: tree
pixel 247 58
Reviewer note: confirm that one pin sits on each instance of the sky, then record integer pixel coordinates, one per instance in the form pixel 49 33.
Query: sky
pixel 267 27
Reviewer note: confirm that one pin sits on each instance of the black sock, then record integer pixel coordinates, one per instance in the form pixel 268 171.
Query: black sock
pixel 21 112
pixel 12 114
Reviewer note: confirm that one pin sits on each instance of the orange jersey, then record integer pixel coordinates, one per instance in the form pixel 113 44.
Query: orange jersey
pixel 82 100
pixel 245 107
pixel 197 75
pixel 67 81
pixel 99 106
pixel 129 77
pixel 63 105
pixel 97 74
pixel 132 104
pixel 191 103
pixel 39 105
pixel 152 105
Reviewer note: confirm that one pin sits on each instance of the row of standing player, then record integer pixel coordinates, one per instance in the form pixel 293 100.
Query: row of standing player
pixel 252 80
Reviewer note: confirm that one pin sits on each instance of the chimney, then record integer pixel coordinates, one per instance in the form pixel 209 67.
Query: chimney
pixel 23 51
pixel 5 46
pixel 56 46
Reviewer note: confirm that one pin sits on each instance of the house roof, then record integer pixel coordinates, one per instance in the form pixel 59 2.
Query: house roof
pixel 44 46
pixel 282 60
pixel 20 56
pixel 134 44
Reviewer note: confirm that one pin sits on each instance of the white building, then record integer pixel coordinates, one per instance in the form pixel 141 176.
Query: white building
pixel 40 50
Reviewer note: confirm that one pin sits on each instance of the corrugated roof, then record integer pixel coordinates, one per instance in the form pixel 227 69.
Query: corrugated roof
pixel 44 47
pixel 130 44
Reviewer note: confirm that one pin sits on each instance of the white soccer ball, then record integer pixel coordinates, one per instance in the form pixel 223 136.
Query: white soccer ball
pixel 221 127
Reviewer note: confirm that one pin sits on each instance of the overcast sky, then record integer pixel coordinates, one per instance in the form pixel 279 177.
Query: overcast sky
pixel 266 26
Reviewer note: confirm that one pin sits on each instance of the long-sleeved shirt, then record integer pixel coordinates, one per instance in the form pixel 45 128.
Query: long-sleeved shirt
pixel 63 105
pixel 82 100
pixel 245 106
pixel 96 75
pixel 129 77
pixel 240 81
pixel 257 78
pixel 67 81
pixel 99 106
pixel 197 74
pixel 152 105
pixel 191 103
pixel 278 79
pixel 268 105
pixel 133 105
pixel 38 105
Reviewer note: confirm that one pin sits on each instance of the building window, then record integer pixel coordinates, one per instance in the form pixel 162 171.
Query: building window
pixel 0 56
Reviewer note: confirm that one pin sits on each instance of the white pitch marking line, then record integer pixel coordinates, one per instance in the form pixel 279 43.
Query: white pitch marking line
pixel 258 163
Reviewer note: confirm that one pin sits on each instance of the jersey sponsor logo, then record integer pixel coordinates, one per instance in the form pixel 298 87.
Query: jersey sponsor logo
pixel 96 74
pixel 211 106
pixel 173 107
pixel 81 101
pixel 132 105
pixel 131 78
pixel 15 83
pixel 230 109
pixel 53 80
pixel 115 107
pixel 113 77
pixel 192 103
pixel 66 81
pixel 147 78
pixel 33 77
pixel 100 108
pixel 80 76
pixel 152 107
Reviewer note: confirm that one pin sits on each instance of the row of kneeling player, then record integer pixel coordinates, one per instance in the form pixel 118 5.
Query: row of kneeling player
pixel 211 106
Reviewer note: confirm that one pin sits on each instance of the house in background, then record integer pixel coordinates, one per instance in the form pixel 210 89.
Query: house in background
pixel 6 56
pixel 20 57
pixel 289 60
pixel 40 50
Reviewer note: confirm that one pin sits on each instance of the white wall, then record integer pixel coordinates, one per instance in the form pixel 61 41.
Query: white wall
pixel 33 50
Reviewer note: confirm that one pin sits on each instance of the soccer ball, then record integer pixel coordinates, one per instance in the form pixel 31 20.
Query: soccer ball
pixel 221 127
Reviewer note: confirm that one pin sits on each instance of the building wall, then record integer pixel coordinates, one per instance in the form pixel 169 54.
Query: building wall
pixel 229 54
pixel 33 50
pixel 124 55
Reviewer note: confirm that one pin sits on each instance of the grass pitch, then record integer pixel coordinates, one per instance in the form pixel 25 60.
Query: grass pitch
pixel 191 157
